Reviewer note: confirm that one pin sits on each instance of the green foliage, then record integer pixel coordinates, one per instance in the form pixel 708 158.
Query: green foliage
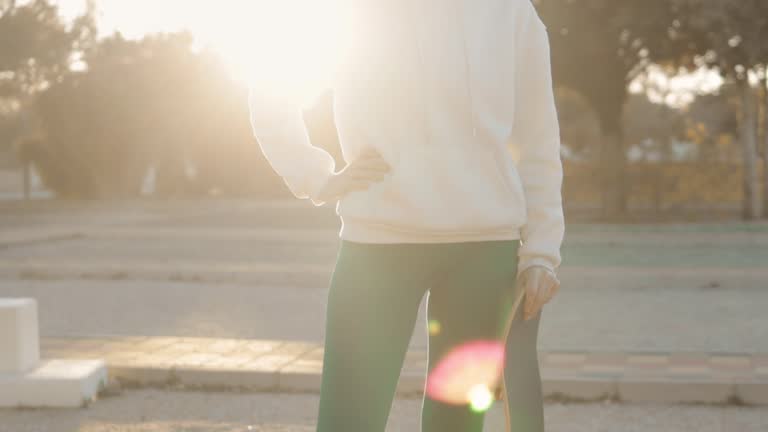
pixel 733 32
pixel 36 47
pixel 649 124
pixel 146 103
pixel 600 46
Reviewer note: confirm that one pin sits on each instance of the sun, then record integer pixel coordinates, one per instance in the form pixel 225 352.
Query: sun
pixel 289 44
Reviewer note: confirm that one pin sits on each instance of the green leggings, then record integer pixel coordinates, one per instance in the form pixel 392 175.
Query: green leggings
pixel 373 302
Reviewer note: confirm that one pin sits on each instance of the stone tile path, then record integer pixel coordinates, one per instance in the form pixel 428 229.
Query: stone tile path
pixel 292 366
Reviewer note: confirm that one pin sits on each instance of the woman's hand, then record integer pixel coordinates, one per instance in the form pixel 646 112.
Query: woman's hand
pixel 369 167
pixel 540 285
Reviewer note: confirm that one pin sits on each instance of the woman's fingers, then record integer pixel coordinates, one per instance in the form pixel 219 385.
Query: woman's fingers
pixel 531 291
pixel 553 289
pixel 367 169
pixel 367 174
pixel 541 286
pixel 371 164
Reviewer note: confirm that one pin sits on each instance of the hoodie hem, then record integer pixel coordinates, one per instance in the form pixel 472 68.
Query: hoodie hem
pixel 367 232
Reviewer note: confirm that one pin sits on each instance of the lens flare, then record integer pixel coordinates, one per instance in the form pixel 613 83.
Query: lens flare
pixel 459 377
pixel 434 327
pixel 480 398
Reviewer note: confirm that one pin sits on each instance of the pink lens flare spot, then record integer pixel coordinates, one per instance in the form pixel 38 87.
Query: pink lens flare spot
pixel 457 376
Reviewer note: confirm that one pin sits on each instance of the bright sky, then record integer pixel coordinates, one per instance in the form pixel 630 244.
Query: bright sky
pixel 239 28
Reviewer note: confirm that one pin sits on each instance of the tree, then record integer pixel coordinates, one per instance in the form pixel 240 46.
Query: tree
pixel 36 46
pixel 598 48
pixel 736 31
pixel 141 104
pixel 711 123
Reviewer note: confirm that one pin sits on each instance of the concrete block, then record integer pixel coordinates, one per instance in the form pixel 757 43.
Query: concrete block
pixel 19 335
pixel 54 383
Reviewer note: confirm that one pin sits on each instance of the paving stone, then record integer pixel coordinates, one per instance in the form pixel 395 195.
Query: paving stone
pixel 146 361
pixel 258 347
pixel 196 359
pixel 122 356
pixel 316 353
pixel 269 362
pixel 180 349
pixel 230 361
pixel 224 346
pixel 293 348
pixel 297 366
pixel 156 343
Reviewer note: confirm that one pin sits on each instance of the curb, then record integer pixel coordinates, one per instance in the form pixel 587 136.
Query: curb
pixel 293 366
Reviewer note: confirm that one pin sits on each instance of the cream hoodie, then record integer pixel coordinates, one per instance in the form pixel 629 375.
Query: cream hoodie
pixel 457 96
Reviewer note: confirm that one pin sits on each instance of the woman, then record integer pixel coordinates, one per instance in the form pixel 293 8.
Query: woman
pixel 448 127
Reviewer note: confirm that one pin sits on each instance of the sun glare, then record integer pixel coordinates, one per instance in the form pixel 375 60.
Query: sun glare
pixel 288 42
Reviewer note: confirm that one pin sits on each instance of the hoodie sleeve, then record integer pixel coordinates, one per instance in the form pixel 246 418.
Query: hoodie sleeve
pixel 279 128
pixel 278 94
pixel 536 139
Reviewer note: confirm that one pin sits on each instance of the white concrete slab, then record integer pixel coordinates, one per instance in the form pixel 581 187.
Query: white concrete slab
pixel 54 383
pixel 19 335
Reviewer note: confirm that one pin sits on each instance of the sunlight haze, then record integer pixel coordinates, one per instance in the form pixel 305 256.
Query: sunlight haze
pixel 256 36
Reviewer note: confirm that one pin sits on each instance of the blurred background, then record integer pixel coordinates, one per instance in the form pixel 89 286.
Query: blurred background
pixel 662 105
pixel 135 204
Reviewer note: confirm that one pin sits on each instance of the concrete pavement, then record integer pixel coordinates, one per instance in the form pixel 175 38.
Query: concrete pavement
pixel 646 312
pixel 167 410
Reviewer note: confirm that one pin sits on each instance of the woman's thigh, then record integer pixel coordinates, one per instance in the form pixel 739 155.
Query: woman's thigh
pixel 373 303
pixel 467 310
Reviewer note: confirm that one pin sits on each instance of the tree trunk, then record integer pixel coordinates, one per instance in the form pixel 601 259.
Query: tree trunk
pixel 26 174
pixel 764 136
pixel 613 175
pixel 748 128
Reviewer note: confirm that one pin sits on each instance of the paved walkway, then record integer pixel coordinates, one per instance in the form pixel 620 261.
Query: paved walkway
pixel 289 366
